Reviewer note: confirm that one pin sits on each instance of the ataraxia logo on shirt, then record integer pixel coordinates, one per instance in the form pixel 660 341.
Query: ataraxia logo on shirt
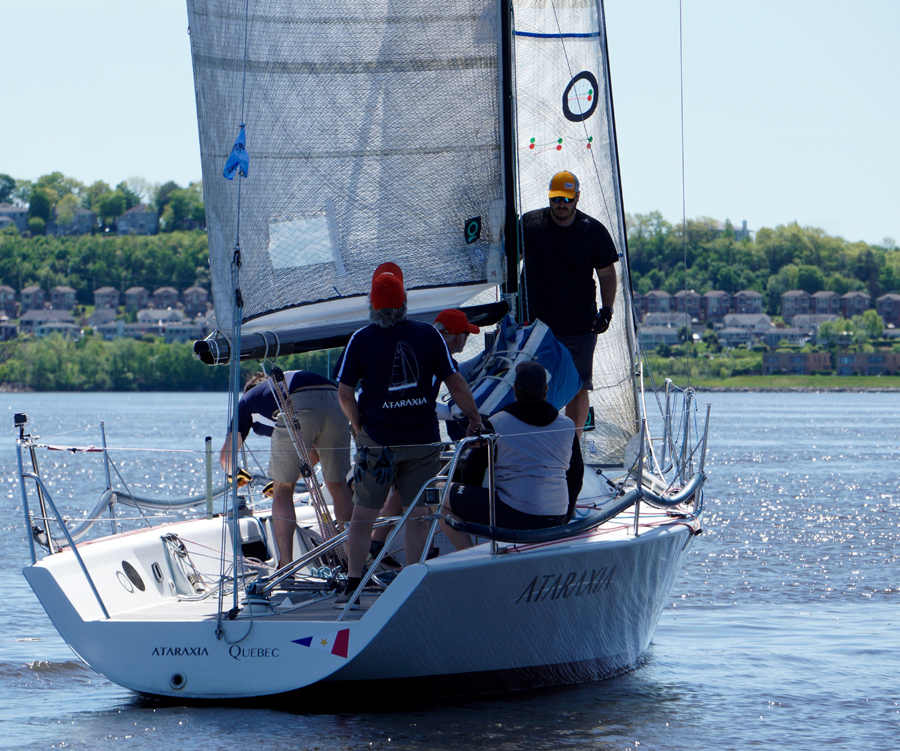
pixel 404 403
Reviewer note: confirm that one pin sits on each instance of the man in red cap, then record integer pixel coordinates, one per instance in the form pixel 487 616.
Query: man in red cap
pixel 564 248
pixel 396 361
pixel 455 328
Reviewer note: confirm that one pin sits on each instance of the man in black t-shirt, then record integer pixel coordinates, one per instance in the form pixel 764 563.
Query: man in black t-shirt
pixel 564 248
pixel 396 361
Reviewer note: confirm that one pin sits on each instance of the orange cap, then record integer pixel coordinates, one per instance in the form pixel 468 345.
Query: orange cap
pixel 455 322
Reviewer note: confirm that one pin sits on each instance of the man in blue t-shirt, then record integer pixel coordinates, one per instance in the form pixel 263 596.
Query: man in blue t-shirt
pixel 326 435
pixel 396 361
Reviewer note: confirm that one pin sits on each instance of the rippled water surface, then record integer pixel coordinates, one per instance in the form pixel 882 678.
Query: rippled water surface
pixel 783 630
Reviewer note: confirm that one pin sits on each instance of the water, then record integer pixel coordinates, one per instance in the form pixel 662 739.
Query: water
pixel 782 633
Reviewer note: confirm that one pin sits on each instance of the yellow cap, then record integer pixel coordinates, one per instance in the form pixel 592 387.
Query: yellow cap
pixel 563 184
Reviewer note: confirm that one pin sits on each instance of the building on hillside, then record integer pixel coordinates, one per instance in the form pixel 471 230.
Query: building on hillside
pixel 888 307
pixel 687 302
pixel 8 329
pixel 101 317
pixel 136 298
pixel 796 363
pixel 30 321
pixel 165 297
pixel 868 363
pixel 825 303
pixel 68 330
pixel 855 304
pixel 747 301
pixel 732 336
pixel 794 302
pixel 8 300
pixel 637 300
pixel 758 323
pixel 657 301
pixel 810 324
pixel 195 301
pixel 62 297
pixel 160 317
pixel 790 335
pixel 653 336
pixel 18 215
pixel 138 220
pixel 33 298
pixel 84 221
pixel 106 297
pixel 714 306
pixel 182 333
pixel 740 233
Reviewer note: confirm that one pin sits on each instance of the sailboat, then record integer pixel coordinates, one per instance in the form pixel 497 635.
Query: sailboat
pixel 415 132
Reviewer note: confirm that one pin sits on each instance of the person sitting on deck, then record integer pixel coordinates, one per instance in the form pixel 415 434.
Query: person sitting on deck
pixel 538 469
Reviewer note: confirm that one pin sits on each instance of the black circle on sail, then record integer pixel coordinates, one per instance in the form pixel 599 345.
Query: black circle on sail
pixel 579 100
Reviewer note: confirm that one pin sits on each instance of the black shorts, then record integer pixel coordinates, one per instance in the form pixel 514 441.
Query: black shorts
pixel 581 347
pixel 470 502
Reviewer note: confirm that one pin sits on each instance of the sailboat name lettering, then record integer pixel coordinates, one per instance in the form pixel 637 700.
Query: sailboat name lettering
pixel 562 586
pixel 180 652
pixel 237 653
pixel 404 403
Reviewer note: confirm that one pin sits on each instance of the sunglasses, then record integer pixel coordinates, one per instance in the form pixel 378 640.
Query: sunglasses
pixel 561 199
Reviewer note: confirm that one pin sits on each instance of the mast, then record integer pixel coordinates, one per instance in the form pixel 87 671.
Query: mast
pixel 511 236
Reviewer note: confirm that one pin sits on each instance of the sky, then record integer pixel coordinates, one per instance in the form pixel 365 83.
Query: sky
pixel 791 107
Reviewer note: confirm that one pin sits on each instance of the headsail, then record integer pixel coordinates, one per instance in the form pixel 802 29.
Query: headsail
pixel 564 119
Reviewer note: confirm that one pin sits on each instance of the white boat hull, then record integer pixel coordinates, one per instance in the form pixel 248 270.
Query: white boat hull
pixel 563 612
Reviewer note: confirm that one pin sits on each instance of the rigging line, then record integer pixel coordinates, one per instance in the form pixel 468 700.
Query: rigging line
pixel 683 202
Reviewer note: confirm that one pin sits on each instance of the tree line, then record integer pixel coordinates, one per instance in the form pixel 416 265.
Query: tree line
pixel 55 363
pixel 772 263
pixel 56 197
pixel 88 262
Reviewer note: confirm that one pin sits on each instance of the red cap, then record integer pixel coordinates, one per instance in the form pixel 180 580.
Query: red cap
pixel 388 268
pixel 455 322
pixel 387 287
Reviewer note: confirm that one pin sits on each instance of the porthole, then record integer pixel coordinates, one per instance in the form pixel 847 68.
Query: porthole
pixel 177 681
pixel 133 575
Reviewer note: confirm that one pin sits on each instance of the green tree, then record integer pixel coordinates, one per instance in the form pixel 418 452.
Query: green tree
pixel 60 185
pixel 110 206
pixel 810 279
pixel 40 203
pixel 93 194
pixel 870 323
pixel 132 199
pixel 65 209
pixel 7 188
pixel 161 199
pixel 36 225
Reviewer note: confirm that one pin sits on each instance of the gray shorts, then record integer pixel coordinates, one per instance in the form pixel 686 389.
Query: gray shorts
pixel 324 427
pixel 413 467
pixel 581 346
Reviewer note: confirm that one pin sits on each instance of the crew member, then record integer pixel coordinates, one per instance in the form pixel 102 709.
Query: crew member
pixel 538 470
pixel 564 248
pixel 325 432
pixel 396 361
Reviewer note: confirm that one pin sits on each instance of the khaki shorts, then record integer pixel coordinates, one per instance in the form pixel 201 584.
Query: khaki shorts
pixel 413 467
pixel 324 427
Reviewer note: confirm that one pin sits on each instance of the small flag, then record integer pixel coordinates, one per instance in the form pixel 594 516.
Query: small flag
pixel 336 642
pixel 239 159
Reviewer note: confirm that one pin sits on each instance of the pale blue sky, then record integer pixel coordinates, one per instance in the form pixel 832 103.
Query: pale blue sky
pixel 791 106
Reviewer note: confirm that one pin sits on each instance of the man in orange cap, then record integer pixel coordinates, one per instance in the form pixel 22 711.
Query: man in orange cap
pixel 564 248
pixel 455 328
pixel 398 442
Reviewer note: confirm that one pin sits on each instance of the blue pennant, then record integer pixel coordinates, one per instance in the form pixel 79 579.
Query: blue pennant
pixel 239 159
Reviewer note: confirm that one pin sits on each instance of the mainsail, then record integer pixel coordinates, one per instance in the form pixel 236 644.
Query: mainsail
pixel 373 135
pixel 374 132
